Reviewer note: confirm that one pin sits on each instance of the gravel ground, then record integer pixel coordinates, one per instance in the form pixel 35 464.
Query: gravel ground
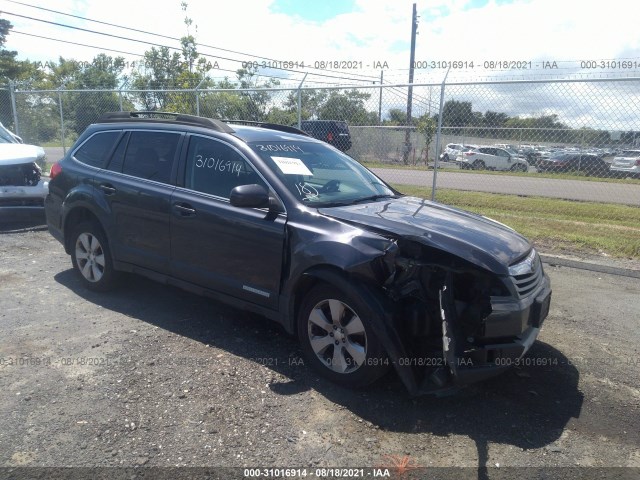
pixel 152 376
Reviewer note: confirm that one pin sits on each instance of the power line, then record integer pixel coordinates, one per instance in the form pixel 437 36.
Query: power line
pixel 142 56
pixel 168 47
pixel 174 38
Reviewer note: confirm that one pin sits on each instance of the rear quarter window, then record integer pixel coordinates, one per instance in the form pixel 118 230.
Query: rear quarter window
pixel 150 155
pixel 95 150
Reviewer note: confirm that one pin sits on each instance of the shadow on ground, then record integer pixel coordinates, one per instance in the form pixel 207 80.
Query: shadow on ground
pixel 18 222
pixel 527 407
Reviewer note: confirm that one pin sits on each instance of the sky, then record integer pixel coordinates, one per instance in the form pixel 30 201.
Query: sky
pixel 355 42
pixel 365 36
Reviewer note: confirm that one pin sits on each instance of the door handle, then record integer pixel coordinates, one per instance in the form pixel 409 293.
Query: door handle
pixel 107 188
pixel 184 209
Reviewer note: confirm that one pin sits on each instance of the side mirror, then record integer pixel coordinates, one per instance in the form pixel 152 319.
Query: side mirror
pixel 250 196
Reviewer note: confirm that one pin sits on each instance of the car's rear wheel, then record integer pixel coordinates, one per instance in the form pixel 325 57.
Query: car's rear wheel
pixel 337 338
pixel 91 257
pixel 479 165
pixel 519 167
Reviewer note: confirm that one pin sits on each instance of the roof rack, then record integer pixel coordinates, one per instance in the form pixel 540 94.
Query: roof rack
pixel 169 117
pixel 270 126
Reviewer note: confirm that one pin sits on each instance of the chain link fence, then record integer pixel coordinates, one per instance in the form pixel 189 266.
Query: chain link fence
pixel 532 138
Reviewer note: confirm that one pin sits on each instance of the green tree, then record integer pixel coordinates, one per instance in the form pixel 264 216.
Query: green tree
pixel 397 116
pixel 23 72
pixel 80 109
pixel 311 101
pixel 348 106
pixel 163 70
pixel 457 114
pixel 427 128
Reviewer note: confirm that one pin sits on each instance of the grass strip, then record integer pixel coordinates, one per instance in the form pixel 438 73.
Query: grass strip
pixel 555 226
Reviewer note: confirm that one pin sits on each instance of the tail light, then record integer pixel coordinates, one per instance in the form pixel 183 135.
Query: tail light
pixel 329 137
pixel 56 168
pixel 638 162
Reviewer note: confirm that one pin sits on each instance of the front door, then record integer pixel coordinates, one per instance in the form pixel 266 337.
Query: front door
pixel 237 251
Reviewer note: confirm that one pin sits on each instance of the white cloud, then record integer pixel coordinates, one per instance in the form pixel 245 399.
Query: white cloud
pixel 533 30
pixel 571 30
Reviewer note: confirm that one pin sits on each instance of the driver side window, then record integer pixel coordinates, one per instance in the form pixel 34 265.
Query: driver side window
pixel 216 168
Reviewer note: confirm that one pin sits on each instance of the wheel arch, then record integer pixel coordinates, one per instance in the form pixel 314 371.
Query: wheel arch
pixel 310 278
pixel 74 217
pixel 383 325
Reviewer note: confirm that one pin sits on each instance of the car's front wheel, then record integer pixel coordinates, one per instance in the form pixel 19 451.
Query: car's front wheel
pixel 337 338
pixel 91 257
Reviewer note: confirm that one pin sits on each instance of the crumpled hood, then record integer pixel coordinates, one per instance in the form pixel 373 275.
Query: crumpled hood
pixel 482 241
pixel 17 153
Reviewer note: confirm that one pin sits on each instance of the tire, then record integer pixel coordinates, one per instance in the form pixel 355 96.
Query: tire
pixel 519 167
pixel 479 165
pixel 91 257
pixel 330 319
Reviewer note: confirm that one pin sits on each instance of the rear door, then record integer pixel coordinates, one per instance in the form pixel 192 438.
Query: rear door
pixel 237 251
pixel 136 187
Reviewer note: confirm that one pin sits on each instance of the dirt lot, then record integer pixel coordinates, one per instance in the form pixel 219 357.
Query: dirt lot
pixel 151 376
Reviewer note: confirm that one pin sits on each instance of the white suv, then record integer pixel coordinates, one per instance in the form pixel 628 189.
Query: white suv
pixel 627 163
pixel 492 158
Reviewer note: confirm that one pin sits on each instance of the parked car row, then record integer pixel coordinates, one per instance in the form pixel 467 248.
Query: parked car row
pixel 626 163
pixel 509 157
pixel 574 162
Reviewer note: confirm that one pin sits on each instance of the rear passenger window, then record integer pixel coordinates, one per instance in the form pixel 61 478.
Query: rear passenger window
pixel 215 168
pixel 96 149
pixel 151 155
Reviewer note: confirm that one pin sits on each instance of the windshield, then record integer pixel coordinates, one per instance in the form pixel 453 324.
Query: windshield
pixel 6 136
pixel 319 175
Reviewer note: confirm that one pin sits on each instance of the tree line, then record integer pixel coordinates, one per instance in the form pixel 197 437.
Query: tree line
pixel 149 87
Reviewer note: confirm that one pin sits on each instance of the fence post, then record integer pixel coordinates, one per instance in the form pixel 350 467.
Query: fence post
pixel 380 99
pixel 300 100
pixel 64 147
pixel 198 97
pixel 436 163
pixel 12 89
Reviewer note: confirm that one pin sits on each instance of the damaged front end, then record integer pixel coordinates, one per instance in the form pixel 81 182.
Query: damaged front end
pixel 459 323
pixel 21 185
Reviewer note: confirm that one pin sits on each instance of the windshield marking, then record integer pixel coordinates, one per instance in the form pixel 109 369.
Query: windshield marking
pixel 279 148
pixel 306 191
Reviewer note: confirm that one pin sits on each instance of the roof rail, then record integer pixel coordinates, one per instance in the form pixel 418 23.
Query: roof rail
pixel 169 117
pixel 270 126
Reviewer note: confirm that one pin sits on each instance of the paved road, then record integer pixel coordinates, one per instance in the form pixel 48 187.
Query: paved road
pixel 530 186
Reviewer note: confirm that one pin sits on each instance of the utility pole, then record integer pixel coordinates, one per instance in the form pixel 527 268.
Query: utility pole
pixel 407 135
